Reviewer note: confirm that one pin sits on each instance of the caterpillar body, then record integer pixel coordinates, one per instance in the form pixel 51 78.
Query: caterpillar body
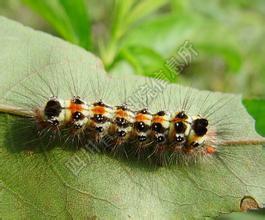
pixel 178 131
pixel 185 126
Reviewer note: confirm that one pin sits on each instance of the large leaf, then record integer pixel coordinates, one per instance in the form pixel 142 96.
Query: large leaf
pixel 37 182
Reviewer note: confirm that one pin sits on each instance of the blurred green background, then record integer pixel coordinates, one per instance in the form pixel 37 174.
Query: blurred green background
pixel 133 36
pixel 140 37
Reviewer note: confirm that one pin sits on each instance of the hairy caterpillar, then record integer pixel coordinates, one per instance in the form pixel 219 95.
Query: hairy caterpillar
pixel 122 188
pixel 178 124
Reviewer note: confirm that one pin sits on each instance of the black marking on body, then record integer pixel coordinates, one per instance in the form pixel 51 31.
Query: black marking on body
pixel 160 138
pixel 77 101
pixel 121 133
pixel 195 144
pixel 161 113
pixel 77 116
pixel 142 138
pixel 99 129
pixel 99 118
pixel 180 127
pixel 102 104
pixel 77 126
pixel 179 138
pixel 158 127
pixel 181 115
pixel 141 126
pixel 144 111
pixel 54 122
pixel 122 122
pixel 122 107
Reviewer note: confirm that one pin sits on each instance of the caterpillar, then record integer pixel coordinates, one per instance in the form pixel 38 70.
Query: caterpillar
pixel 32 170
pixel 98 119
pixel 191 124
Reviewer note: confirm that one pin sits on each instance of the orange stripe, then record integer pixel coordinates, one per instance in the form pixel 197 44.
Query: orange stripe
pixel 121 113
pixel 141 117
pixel 99 110
pixel 177 120
pixel 158 119
pixel 75 107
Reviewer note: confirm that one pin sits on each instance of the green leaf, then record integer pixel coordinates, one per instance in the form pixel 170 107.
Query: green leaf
pixel 163 33
pixel 144 8
pixel 126 15
pixel 169 32
pixel 37 182
pixel 121 11
pixel 229 54
pixel 147 62
pixel 69 18
pixel 257 109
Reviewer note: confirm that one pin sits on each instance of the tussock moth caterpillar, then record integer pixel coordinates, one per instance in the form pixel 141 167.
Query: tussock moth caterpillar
pixel 189 126
pixel 122 188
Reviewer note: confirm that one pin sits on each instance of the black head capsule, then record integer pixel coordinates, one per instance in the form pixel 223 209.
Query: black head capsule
pixel 52 109
pixel 200 126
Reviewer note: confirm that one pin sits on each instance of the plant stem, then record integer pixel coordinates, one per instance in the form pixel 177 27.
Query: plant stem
pixel 257 141
pixel 16 111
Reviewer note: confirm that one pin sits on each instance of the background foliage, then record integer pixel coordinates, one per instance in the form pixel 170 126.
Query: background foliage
pixel 137 37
